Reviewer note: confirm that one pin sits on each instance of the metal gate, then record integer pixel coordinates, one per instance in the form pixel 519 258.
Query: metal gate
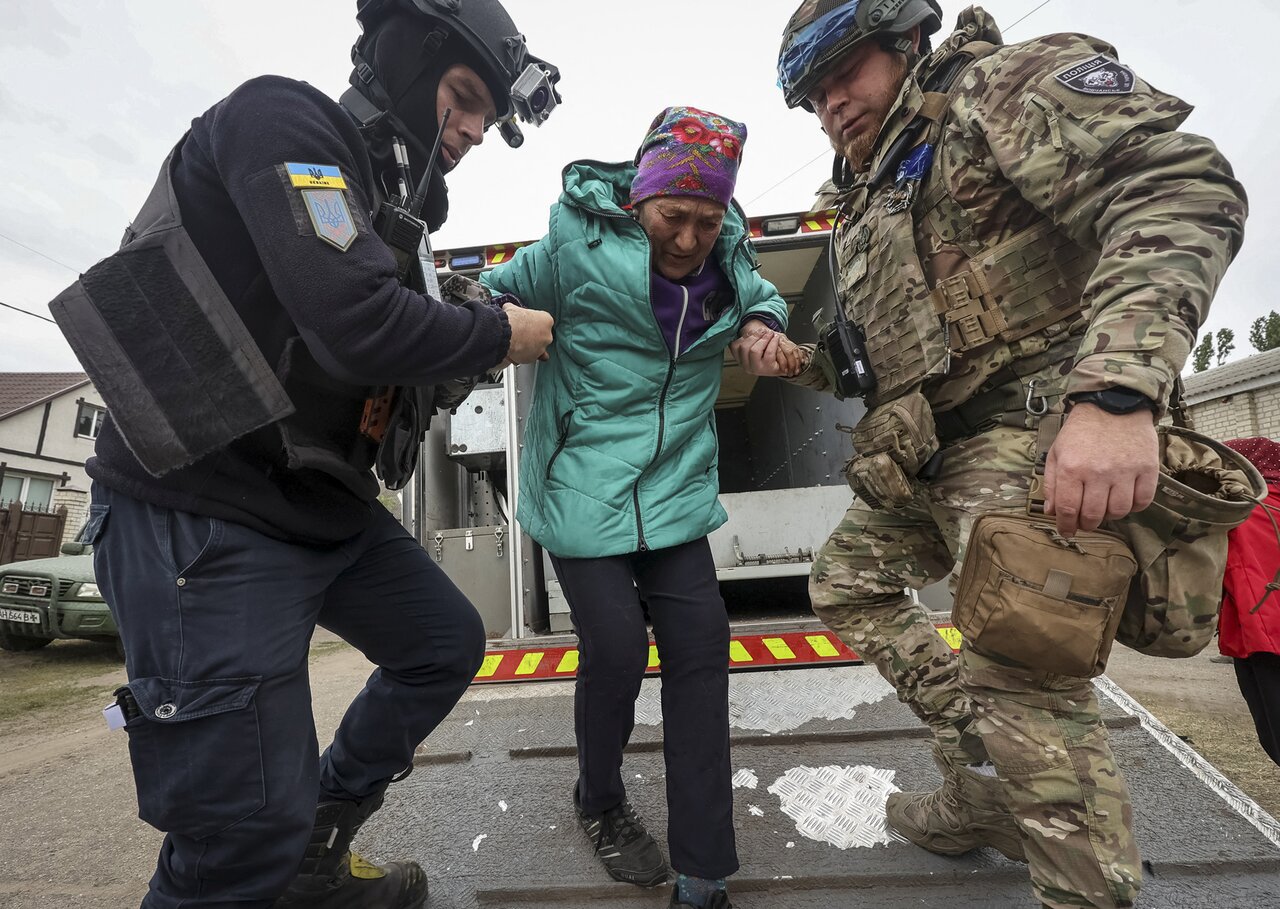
pixel 30 534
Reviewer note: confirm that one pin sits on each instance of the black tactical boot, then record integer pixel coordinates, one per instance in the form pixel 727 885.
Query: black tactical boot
pixel 622 844
pixel 333 877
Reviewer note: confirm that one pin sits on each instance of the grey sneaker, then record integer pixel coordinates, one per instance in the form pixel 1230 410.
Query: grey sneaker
pixel 623 846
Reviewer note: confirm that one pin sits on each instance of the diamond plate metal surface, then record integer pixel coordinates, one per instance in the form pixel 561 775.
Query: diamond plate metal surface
pixel 843 806
pixel 780 701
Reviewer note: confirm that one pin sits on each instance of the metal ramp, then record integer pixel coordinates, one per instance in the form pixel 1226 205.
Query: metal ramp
pixel 488 813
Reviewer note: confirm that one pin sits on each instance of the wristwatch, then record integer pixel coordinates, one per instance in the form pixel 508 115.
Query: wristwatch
pixel 1115 400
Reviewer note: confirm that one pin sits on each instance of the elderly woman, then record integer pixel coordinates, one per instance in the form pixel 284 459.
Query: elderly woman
pixel 647 270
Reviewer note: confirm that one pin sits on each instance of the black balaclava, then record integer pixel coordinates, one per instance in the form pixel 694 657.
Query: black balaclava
pixel 409 58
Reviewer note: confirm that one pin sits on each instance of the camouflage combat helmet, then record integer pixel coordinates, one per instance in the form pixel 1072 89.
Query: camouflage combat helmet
pixel 822 31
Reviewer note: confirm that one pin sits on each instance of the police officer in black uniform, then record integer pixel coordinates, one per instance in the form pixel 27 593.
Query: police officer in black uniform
pixel 238 334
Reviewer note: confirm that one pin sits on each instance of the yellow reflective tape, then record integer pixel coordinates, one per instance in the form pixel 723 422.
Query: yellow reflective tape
pixel 822 645
pixel 814 225
pixel 738 653
pixel 568 662
pixel 529 663
pixel 498 258
pixel 952 636
pixel 490 665
pixel 778 647
pixel 653 655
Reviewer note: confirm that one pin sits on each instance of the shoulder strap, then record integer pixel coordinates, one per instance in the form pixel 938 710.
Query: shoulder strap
pixel 939 89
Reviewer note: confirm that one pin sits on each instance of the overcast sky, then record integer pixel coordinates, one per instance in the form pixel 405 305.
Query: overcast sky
pixel 93 93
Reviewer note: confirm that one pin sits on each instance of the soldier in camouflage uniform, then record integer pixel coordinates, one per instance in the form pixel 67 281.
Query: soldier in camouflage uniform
pixel 1042 239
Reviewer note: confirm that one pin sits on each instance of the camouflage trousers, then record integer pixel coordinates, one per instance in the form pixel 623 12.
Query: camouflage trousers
pixel 1043 732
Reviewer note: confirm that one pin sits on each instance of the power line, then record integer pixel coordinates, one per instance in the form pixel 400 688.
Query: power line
pixel 1040 7
pixel 38 253
pixel 27 312
pixel 825 151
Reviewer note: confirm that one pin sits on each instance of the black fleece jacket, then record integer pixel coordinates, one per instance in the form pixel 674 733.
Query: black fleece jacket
pixel 357 322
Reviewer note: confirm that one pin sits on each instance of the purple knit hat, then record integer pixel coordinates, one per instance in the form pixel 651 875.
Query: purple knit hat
pixel 689 152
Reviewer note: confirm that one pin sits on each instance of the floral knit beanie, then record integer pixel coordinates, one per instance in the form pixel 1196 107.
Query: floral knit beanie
pixel 689 152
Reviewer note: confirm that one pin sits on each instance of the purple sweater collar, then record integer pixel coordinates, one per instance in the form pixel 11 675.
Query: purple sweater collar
pixel 685 309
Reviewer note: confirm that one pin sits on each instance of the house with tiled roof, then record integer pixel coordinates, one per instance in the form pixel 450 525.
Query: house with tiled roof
pixel 1238 400
pixel 48 423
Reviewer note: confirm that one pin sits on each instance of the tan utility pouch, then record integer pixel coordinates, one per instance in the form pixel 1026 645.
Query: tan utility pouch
pixel 878 480
pixel 891 443
pixel 1036 599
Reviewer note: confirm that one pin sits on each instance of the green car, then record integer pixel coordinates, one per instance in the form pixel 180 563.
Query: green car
pixel 42 600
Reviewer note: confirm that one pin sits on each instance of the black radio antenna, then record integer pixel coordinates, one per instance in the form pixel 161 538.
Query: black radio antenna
pixel 420 195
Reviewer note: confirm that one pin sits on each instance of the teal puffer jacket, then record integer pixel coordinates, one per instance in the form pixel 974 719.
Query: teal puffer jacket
pixel 620 444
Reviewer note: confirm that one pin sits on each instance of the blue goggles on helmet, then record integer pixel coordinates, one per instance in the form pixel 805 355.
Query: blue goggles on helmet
pixel 810 47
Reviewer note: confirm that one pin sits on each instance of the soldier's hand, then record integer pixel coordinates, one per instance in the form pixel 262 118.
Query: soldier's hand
pixel 761 351
pixel 1101 467
pixel 792 358
pixel 530 334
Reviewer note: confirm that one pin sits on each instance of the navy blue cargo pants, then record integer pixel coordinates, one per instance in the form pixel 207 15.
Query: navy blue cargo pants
pixel 216 621
pixel 691 629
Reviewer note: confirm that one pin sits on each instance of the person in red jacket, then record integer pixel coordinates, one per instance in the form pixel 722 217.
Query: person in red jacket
pixel 1249 625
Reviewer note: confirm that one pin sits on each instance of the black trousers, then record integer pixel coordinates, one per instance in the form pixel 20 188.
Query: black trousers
pixel 1259 678
pixel 216 619
pixel 691 629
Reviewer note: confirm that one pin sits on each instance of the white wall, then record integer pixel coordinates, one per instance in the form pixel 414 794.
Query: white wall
pixel 61 452
pixel 1251 413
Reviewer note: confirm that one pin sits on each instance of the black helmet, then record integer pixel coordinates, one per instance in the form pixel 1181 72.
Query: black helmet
pixel 822 31
pixel 522 85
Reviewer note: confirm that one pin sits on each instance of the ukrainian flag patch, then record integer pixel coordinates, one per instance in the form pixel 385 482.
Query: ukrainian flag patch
pixel 315 176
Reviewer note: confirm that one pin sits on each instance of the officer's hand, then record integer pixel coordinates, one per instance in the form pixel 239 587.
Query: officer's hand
pixel 1101 466
pixel 530 334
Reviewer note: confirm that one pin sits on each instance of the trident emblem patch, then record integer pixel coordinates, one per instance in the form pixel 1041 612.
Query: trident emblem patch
pixel 331 217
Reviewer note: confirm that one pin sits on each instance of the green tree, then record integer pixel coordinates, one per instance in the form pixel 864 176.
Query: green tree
pixel 1265 333
pixel 1202 355
pixel 1226 344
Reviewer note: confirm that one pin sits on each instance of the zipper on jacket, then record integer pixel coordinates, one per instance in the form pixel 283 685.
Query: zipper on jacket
pixel 662 428
pixel 563 438
pixel 662 398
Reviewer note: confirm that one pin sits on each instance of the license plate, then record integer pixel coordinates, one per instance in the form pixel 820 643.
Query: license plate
pixel 20 615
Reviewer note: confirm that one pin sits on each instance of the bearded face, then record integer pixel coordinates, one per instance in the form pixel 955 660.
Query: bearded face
pixel 855 98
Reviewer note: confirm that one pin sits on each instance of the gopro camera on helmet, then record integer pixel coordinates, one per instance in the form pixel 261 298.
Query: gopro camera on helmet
pixel 533 95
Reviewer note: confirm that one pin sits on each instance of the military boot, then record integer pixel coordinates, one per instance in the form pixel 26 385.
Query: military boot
pixel 333 877
pixel 967 811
